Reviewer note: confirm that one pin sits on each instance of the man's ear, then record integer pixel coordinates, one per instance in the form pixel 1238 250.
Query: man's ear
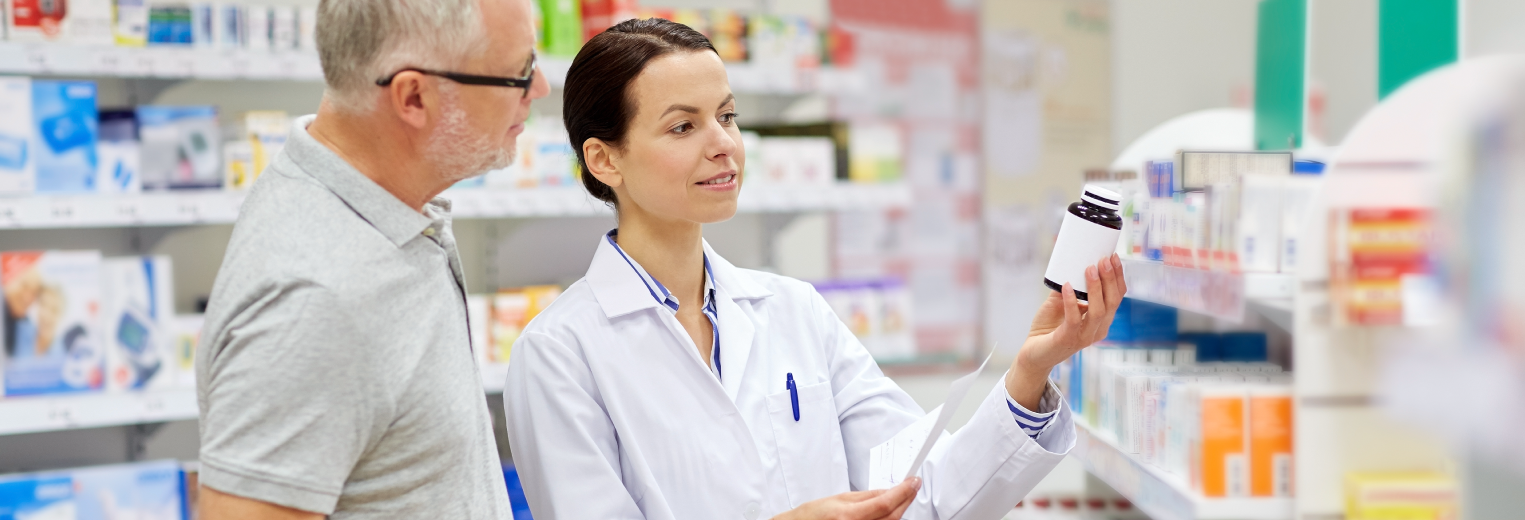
pixel 410 96
pixel 602 159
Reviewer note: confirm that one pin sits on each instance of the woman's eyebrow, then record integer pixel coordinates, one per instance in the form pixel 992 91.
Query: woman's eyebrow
pixel 676 107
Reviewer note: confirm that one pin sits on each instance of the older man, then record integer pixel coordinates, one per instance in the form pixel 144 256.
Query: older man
pixel 336 375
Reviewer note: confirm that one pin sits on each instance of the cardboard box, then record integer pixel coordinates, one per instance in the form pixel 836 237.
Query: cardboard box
pixel 140 491
pixel 18 169
pixel 118 153
pixel 1405 496
pixel 65 126
pixel 138 303
pixel 1271 441
pixel 179 147
pixel 185 331
pixel 1224 455
pixel 129 23
pixel 51 315
pixel 512 310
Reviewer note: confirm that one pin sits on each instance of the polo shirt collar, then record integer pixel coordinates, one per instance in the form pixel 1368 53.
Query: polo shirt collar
pixel 377 206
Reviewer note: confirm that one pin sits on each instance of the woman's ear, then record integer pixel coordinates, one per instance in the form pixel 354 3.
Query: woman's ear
pixel 600 158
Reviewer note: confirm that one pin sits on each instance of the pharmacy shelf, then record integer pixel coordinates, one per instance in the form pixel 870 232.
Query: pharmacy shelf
pixel 1161 495
pixel 66 412
pixel 181 208
pixel 176 62
pixel 1214 293
pixel 156 62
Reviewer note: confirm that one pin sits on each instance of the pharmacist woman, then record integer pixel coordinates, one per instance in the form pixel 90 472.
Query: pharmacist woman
pixel 670 384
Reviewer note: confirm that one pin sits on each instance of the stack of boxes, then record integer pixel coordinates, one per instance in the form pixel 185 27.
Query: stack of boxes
pixel 1206 407
pixel 77 322
pixel 1220 211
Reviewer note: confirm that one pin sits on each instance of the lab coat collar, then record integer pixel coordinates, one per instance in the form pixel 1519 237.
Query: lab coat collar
pixel 620 292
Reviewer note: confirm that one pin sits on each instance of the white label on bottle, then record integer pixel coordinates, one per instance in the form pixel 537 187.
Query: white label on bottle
pixel 1081 244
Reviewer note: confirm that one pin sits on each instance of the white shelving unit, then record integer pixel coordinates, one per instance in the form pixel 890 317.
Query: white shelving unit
pixel 221 207
pixel 1161 495
pixel 1218 294
pixel 213 64
pixel 94 410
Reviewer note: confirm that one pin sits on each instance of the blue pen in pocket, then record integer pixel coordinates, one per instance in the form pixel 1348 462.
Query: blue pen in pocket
pixel 794 395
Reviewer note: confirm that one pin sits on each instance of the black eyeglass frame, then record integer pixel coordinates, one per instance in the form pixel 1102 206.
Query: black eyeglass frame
pixel 473 79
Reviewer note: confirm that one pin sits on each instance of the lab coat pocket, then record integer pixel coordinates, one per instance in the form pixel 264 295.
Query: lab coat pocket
pixel 810 450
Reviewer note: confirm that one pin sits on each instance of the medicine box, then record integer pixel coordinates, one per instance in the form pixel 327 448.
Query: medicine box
pixel 53 341
pixel 1270 440
pixel 64 135
pixel 1404 495
pixel 1221 444
pixel 129 23
pixel 75 21
pixel 118 153
pixel 139 491
pixel 185 332
pixel 180 147
pixel 138 303
pixel 18 174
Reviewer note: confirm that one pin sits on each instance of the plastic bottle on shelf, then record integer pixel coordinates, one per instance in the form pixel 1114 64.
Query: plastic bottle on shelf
pixel 1089 233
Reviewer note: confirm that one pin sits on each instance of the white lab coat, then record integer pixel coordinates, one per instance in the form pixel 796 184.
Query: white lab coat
pixel 612 414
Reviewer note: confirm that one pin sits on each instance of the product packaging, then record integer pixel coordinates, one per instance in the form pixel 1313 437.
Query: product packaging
pixel 307 28
pixel 1088 234
pixel 257 28
pixel 229 26
pixel 129 23
pixel 512 310
pixel 138 303
pixel 1408 496
pixel 51 317
pixel 119 154
pixel 875 153
pixel 170 25
pixel 1260 218
pixel 179 147
pixel 857 304
pixel 262 135
pixel 65 121
pixel 18 173
pixel 728 34
pixel 284 32
pixel 139 491
pixel 479 322
pixel 563 27
pixel 1270 441
pixel 1379 264
pixel 555 163
pixel 1224 456
pixel 1298 192
pixel 520 174
pixel 41 496
pixel 798 161
pixel 599 15
pixel 185 331
pixel 76 21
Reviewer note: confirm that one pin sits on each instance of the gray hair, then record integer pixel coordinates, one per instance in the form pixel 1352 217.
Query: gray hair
pixel 360 41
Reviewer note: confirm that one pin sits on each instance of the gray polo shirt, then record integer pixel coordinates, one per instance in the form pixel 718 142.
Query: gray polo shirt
pixel 335 372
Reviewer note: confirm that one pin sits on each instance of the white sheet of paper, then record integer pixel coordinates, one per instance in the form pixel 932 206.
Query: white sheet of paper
pixel 893 458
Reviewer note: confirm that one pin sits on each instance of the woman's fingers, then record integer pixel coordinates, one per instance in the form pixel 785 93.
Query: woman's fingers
pixel 886 504
pixel 1071 306
pixel 1112 281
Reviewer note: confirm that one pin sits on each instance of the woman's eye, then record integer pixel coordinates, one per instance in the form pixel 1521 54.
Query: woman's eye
pixel 683 128
pixel 728 118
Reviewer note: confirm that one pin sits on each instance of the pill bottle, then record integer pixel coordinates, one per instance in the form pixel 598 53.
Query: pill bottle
pixel 1088 234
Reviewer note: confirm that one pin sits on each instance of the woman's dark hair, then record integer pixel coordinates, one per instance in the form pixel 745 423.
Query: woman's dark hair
pixel 595 103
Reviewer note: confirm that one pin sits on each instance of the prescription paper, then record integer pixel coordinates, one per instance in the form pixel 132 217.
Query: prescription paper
pixel 904 453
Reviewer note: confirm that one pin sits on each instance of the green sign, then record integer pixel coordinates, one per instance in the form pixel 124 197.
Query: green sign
pixel 1413 37
pixel 1279 67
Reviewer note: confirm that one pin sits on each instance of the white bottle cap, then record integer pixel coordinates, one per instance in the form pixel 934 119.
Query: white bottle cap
pixel 1101 197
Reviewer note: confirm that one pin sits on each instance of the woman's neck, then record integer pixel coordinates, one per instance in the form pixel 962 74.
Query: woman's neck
pixel 672 252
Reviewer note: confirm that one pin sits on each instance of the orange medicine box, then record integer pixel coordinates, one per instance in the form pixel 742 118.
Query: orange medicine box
pixel 1271 441
pixel 1224 457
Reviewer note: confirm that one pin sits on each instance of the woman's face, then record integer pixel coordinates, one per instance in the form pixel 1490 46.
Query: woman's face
pixel 682 157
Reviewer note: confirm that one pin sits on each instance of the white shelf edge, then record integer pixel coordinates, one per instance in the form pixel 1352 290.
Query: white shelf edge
pixel 1160 495
pixel 221 207
pixel 44 413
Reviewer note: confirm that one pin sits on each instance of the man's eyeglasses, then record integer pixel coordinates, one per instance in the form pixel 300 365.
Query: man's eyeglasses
pixel 524 81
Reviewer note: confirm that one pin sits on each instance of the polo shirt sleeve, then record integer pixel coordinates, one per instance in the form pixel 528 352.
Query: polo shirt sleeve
pixel 291 402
